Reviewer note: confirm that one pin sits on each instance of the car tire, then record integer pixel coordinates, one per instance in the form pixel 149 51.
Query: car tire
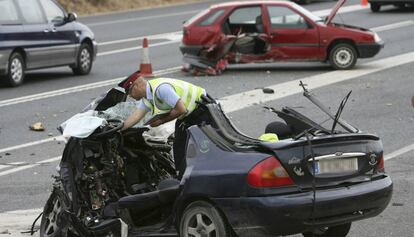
pixel 15 70
pixel 375 7
pixel 84 60
pixel 52 223
pixel 203 219
pixel 333 231
pixel 343 56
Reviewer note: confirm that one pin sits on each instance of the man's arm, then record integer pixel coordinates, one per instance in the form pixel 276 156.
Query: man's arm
pixel 134 118
pixel 176 112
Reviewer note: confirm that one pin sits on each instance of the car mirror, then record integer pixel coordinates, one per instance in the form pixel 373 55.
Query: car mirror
pixel 71 17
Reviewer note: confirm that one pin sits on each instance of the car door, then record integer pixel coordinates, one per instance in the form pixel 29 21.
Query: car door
pixel 292 35
pixel 36 34
pixel 11 31
pixel 61 34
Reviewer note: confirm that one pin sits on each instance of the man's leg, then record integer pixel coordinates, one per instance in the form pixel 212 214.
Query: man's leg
pixel 180 137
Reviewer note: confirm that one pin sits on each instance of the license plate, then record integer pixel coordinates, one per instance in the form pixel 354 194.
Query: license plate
pixel 336 165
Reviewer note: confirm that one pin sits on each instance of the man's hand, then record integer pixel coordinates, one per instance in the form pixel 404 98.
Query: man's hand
pixel 156 123
pixel 134 118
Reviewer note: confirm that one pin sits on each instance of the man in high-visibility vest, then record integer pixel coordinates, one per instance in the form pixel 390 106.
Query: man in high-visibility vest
pixel 168 99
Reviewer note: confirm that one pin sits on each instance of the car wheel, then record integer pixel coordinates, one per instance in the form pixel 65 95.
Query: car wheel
pixel 15 70
pixel 333 231
pixel 201 219
pixel 84 60
pixel 375 7
pixel 343 56
pixel 52 224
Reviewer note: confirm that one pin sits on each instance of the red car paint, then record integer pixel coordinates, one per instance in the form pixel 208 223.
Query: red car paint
pixel 308 39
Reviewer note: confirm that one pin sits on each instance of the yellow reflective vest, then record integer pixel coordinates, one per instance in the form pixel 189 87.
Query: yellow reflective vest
pixel 188 93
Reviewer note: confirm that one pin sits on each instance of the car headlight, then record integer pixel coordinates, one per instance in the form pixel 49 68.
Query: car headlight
pixel 377 38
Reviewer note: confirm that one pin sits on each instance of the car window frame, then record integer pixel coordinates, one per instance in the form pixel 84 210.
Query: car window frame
pixel 241 7
pixel 19 20
pixel 33 23
pixel 65 13
pixel 308 23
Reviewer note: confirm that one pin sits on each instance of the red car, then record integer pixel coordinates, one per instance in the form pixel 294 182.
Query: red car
pixel 270 31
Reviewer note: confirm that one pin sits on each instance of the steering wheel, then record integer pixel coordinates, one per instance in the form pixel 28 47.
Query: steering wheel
pixel 112 127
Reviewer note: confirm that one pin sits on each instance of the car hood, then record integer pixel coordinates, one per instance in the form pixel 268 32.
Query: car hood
pixel 338 5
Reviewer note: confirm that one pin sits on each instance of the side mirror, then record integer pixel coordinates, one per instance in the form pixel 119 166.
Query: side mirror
pixel 71 17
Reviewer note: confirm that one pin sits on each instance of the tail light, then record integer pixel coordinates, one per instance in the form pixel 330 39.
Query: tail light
pixel 269 173
pixel 380 166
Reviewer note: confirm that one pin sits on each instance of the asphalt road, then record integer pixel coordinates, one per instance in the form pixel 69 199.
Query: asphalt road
pixel 380 101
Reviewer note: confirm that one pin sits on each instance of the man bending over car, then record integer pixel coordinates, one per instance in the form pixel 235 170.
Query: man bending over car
pixel 168 99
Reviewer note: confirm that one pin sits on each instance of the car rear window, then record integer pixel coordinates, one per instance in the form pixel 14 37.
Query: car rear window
pixel 196 17
pixel 8 12
pixel 211 18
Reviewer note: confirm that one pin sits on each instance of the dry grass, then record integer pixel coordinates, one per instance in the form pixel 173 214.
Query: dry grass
pixel 87 7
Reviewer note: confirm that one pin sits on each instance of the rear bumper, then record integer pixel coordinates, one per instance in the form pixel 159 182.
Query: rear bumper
pixel 291 213
pixel 190 49
pixel 369 50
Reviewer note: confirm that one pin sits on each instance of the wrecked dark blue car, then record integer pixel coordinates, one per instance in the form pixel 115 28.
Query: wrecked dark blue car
pixel 314 180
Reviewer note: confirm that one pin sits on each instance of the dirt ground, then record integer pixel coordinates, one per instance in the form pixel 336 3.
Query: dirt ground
pixel 91 7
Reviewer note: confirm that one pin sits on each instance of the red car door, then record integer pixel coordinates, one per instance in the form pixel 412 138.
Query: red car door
pixel 292 35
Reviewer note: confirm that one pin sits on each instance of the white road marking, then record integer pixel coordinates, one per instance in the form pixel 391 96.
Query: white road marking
pixel 248 98
pixel 74 89
pixel 168 36
pixel 141 18
pixel 345 9
pixel 175 37
pixel 25 167
pixel 393 26
pixel 19 220
pixel 399 152
pixel 7 149
pixel 136 48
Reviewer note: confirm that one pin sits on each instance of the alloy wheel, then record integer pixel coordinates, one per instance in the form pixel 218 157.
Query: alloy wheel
pixel 51 226
pixel 16 70
pixel 200 225
pixel 85 59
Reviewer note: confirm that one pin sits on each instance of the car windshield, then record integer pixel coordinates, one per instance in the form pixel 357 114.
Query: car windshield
pixel 307 13
pixel 194 18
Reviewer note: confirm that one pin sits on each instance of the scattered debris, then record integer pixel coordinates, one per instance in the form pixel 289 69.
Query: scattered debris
pixel 268 91
pixel 396 204
pixel 389 104
pixel 37 127
pixel 7 154
pixel 5 232
pixel 54 115
pixel 268 72
pixel 50 134
pixel 1 157
pixel 32 154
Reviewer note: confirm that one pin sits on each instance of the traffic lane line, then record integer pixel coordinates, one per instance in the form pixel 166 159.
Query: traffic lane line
pixel 21 220
pixel 245 99
pixel 25 167
pixel 167 36
pixel 324 12
pixel 96 84
pixel 74 89
pixel 144 18
pixel 240 100
pixel 137 48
